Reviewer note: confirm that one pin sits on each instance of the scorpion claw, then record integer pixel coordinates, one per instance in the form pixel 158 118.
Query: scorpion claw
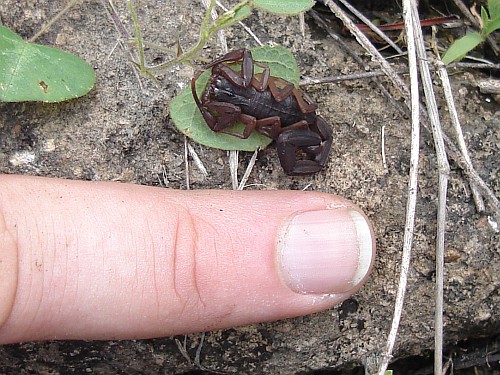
pixel 292 143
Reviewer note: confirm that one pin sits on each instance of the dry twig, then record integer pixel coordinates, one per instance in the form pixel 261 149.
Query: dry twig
pixel 358 59
pixel 443 75
pixel 245 27
pixel 110 8
pixel 49 24
pixel 412 189
pixel 368 46
pixel 413 34
pixel 474 65
pixel 233 168
pixel 373 27
pixel 196 160
pixel 452 150
pixel 444 170
pixel 382 146
pixel 251 163
pixel 412 97
pixel 346 77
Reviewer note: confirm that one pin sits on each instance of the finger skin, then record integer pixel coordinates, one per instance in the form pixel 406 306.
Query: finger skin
pixel 95 260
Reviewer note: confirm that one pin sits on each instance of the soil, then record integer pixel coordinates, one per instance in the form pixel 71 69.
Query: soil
pixel 121 131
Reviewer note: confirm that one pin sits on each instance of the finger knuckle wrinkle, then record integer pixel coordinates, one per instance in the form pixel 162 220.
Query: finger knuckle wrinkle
pixel 8 269
pixel 187 275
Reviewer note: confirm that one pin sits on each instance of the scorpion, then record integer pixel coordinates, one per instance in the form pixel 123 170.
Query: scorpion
pixel 269 105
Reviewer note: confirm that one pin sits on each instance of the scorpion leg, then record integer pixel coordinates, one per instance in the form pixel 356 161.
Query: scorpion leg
pixel 283 92
pixel 242 78
pixel 228 115
pixel 262 84
pixel 270 127
pixel 232 56
pixel 246 76
pixel 248 121
pixel 197 99
pixel 305 103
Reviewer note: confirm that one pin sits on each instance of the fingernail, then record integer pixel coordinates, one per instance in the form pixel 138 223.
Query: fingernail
pixel 325 252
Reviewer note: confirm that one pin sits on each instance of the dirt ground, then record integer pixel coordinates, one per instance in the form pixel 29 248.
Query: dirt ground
pixel 122 132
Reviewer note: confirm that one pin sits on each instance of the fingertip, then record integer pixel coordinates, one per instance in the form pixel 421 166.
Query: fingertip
pixel 326 251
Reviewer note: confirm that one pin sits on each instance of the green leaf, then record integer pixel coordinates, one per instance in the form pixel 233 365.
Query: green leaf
pixel 290 7
pixel 484 16
pixel 32 72
pixel 280 61
pixel 492 26
pixel 188 119
pixel 461 47
pixel 494 9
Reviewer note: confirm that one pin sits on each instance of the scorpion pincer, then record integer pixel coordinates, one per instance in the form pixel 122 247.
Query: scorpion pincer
pixel 269 105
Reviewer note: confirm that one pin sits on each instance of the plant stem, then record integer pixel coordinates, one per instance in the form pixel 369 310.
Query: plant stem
pixel 53 20
pixel 138 34
pixel 208 28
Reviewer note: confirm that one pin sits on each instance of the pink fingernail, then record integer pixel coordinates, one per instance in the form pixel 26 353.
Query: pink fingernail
pixel 325 252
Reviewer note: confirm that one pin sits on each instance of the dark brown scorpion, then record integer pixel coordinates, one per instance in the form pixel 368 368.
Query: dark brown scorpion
pixel 269 105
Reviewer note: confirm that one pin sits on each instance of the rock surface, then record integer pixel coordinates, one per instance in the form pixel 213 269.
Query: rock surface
pixel 121 131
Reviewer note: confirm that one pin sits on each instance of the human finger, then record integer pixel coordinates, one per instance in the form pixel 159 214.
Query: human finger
pixel 100 260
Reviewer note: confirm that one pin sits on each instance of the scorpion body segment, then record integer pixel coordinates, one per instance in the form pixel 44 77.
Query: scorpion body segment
pixel 258 104
pixel 269 105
